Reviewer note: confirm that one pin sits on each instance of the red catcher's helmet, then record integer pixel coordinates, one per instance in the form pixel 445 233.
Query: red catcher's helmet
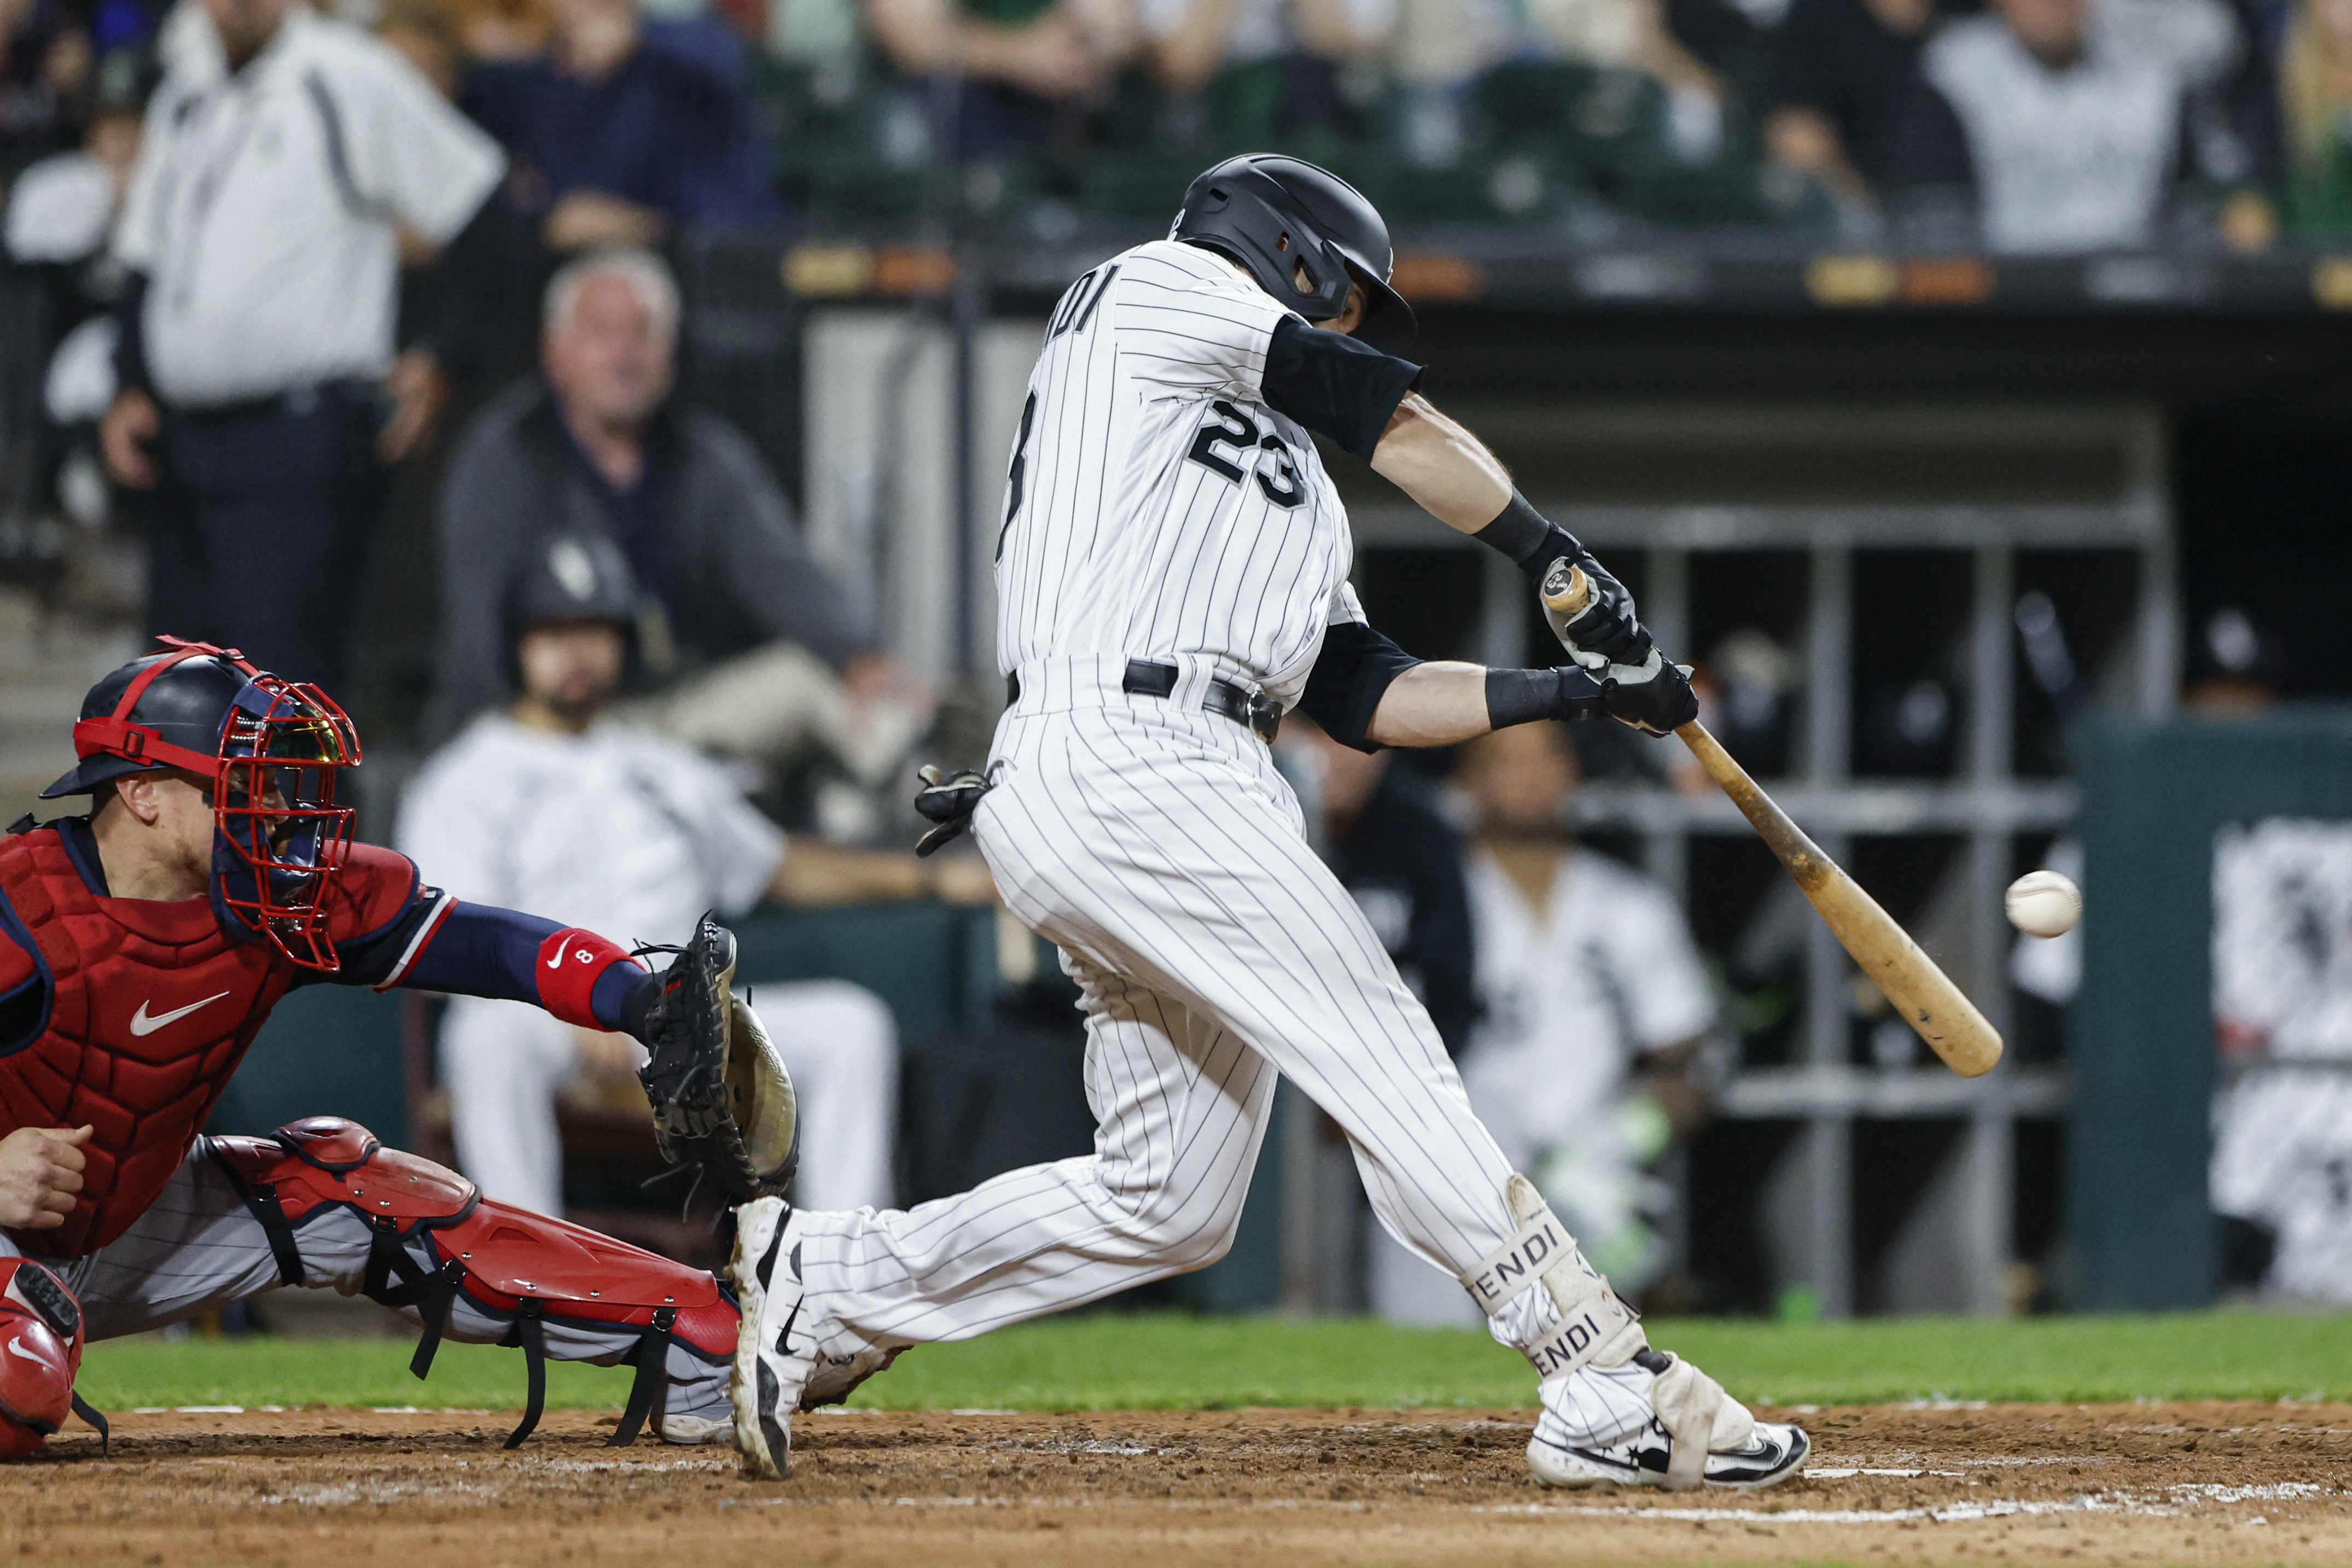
pixel 272 749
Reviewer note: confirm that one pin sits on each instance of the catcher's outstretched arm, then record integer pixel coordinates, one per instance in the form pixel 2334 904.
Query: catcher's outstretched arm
pixel 481 950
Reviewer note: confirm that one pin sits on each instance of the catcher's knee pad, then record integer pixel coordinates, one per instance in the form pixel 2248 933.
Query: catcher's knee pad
pixel 506 1262
pixel 40 1354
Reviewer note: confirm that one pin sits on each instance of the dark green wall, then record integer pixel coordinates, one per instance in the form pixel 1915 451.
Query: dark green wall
pixel 2141 1031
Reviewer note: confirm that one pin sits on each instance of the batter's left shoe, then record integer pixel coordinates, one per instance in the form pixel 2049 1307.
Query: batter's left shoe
pixel 1602 1426
pixel 775 1351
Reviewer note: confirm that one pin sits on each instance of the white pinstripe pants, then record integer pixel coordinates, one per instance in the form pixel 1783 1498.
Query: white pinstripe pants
pixel 1158 847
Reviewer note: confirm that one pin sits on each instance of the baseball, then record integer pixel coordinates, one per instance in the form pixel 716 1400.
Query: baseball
pixel 2043 903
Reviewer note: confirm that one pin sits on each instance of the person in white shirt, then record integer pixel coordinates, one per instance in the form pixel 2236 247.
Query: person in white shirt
pixel 503 812
pixel 260 392
pixel 1597 1012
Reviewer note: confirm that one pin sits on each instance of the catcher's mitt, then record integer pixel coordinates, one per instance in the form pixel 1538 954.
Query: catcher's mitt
pixel 723 1104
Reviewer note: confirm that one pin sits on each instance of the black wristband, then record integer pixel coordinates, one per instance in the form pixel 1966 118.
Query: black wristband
pixel 1522 696
pixel 1531 539
pixel 643 993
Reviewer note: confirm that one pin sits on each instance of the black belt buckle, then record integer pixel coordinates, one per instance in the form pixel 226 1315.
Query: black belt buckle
pixel 1253 710
pixel 1265 715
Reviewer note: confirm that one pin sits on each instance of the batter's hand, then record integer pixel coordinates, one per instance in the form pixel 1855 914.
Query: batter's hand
pixel 1655 696
pixel 40 1173
pixel 1607 630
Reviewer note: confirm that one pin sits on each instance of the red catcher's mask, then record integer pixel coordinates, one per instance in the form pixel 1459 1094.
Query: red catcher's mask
pixel 280 839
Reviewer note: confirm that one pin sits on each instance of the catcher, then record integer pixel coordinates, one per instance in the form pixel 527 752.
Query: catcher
pixel 143 946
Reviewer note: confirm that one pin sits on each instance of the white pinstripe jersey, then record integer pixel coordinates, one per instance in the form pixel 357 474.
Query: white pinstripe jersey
pixel 1154 504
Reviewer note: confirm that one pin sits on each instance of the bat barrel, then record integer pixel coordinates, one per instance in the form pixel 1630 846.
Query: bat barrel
pixel 1926 997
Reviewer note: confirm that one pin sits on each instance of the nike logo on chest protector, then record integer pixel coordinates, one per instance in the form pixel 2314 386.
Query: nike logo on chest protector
pixel 142 1026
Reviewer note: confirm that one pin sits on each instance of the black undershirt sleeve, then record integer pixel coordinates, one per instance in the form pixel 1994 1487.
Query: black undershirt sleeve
pixel 1350 675
pixel 1335 386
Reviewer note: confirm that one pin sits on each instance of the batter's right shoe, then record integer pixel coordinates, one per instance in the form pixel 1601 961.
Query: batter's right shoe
pixel 1602 1426
pixel 775 1350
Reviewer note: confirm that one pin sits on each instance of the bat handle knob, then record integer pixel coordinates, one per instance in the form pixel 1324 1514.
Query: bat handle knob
pixel 1566 589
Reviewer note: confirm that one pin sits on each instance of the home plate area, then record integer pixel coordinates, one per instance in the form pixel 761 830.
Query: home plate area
pixel 2253 1484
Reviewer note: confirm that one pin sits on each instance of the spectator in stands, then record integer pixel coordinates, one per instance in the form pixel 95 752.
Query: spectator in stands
pixel 596 445
pixel 1019 61
pixel 1597 1016
pixel 1287 54
pixel 505 809
pixel 2316 98
pixel 1381 829
pixel 1841 72
pixel 2064 126
pixel 46 78
pixel 1440 46
pixel 426 35
pixel 622 133
pixel 260 398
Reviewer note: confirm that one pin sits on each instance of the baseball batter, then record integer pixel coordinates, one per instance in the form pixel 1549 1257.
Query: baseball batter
pixel 142 948
pixel 1172 576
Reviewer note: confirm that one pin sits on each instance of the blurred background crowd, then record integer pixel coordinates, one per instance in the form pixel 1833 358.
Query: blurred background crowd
pixel 380 341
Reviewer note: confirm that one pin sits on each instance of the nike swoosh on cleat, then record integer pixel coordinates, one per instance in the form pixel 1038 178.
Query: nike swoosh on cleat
pixel 784 1334
pixel 777 1436
pixel 142 1025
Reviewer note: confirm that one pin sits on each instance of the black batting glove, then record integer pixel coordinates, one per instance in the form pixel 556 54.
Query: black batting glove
pixel 948 800
pixel 1606 627
pixel 1655 698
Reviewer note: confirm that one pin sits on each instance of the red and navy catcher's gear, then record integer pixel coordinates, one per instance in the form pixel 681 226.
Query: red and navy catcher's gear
pixel 1305 235
pixel 272 749
pixel 40 1355
pixel 130 1014
pixel 507 1263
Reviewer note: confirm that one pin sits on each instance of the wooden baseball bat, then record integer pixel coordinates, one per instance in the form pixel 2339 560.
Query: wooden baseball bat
pixel 1920 991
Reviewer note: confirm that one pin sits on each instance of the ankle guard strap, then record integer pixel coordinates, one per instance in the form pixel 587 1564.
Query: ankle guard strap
pixel 1590 1322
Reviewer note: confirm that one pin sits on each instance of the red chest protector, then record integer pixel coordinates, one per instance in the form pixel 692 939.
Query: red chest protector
pixel 152 1008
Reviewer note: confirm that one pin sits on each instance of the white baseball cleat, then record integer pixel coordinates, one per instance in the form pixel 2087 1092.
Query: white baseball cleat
pixel 693 1431
pixel 1607 1426
pixel 774 1351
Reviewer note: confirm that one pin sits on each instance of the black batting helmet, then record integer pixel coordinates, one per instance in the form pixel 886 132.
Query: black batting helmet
pixel 575 577
pixel 1304 234
pixel 571 577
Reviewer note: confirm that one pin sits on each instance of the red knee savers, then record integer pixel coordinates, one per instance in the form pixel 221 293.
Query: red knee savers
pixel 40 1352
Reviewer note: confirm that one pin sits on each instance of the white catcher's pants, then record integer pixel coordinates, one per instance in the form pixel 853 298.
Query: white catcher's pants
pixel 505 1061
pixel 1158 847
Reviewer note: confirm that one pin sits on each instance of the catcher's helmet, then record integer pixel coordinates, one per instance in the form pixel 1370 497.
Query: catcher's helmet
pixel 270 750
pixel 1304 234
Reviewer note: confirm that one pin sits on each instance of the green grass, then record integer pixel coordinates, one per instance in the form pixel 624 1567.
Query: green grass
pixel 1118 1361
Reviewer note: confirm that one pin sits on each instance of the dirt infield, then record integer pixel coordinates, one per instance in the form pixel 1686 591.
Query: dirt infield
pixel 2057 1484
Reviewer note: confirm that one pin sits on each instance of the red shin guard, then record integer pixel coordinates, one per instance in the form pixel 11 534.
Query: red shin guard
pixel 505 1261
pixel 40 1354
